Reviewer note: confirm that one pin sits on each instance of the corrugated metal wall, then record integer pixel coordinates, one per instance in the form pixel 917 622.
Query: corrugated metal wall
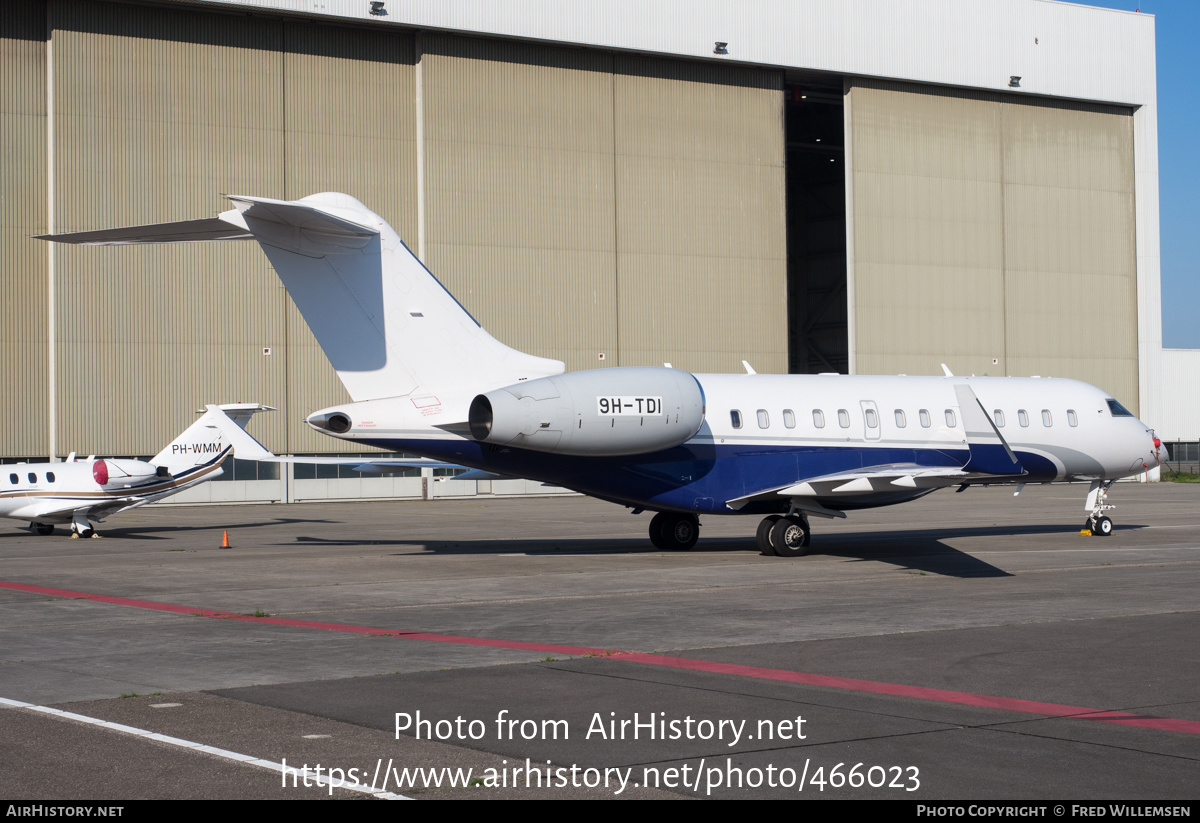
pixel 24 400
pixel 985 227
pixel 701 229
pixel 576 202
pixel 519 186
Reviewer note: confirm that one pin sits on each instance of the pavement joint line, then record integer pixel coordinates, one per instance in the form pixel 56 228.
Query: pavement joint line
pixel 1116 717
pixel 225 754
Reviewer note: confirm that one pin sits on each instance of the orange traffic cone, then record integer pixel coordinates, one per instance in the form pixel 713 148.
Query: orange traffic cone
pixel 225 539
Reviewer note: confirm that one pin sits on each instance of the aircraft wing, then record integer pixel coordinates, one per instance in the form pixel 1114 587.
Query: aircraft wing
pixel 63 508
pixel 892 477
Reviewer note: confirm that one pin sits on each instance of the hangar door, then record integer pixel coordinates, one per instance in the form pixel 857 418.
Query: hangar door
pixel 992 232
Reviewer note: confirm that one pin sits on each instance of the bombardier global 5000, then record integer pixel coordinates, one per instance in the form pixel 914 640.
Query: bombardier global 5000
pixel 79 491
pixel 426 378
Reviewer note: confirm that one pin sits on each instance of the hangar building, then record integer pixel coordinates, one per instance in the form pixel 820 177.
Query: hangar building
pixel 808 185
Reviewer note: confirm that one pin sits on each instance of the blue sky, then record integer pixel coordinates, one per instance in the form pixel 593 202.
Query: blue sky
pixel 1177 38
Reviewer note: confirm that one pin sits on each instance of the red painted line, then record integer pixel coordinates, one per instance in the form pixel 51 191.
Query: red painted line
pixel 826 681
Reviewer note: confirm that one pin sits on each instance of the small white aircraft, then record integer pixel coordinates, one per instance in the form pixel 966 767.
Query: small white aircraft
pixel 427 379
pixel 79 491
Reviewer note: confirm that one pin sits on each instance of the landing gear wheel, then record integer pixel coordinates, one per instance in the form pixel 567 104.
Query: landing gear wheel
pixel 88 533
pixel 1102 527
pixel 44 528
pixel 790 537
pixel 680 532
pixel 656 528
pixel 763 536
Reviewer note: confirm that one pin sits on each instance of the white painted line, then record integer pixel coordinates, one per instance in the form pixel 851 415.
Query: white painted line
pixel 188 744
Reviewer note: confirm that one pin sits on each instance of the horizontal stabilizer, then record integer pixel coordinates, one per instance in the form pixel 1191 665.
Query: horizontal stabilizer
pixel 186 231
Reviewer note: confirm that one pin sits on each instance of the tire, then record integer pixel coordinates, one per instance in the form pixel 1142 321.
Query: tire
pixel 763 536
pixel 1104 527
pixel 656 530
pixel 44 528
pixel 680 532
pixel 790 537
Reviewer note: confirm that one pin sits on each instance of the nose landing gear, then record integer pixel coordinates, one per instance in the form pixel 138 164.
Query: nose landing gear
pixel 1098 523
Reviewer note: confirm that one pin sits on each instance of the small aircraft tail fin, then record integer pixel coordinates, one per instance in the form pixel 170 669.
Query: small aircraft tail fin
pixel 387 325
pixel 210 438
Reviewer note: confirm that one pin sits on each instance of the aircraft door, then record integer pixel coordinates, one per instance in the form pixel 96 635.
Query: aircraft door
pixel 872 423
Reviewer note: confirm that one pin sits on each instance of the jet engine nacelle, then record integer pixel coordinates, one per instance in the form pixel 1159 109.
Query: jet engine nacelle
pixel 630 410
pixel 122 473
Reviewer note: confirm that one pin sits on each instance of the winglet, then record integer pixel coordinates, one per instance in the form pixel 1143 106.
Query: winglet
pixel 749 368
pixel 946 369
pixel 983 438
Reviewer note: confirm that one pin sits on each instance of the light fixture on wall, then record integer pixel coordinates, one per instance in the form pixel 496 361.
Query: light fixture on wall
pixel 1014 80
pixel 377 8
pixel 720 47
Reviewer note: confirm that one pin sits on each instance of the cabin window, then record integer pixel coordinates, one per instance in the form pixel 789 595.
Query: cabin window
pixel 843 418
pixel 735 417
pixel 926 422
pixel 1072 419
pixel 1117 409
pixel 49 477
pixel 32 477
pixel 872 419
pixel 763 420
pixel 999 416
pixel 1046 421
pixel 950 418
pixel 818 418
pixel 900 423
pixel 789 419
pixel 1023 418
pixel 12 478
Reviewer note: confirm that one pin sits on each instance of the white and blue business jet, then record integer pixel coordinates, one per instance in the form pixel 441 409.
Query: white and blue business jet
pixel 427 379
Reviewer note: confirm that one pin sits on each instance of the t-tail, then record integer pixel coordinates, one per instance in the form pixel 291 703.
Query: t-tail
pixel 388 327
pixel 198 452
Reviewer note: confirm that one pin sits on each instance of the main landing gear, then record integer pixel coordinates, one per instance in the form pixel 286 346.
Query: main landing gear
pixel 1098 523
pixel 674 532
pixel 42 528
pixel 785 536
pixel 81 526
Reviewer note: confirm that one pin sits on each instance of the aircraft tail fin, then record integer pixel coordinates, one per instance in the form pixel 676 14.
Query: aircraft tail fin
pixel 387 325
pixel 208 440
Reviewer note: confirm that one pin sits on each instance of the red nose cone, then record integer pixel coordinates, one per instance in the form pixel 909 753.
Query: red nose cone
pixel 100 472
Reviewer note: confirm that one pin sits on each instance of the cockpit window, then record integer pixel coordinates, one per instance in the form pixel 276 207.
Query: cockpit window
pixel 1117 409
